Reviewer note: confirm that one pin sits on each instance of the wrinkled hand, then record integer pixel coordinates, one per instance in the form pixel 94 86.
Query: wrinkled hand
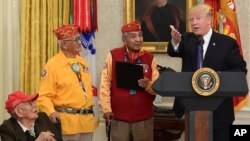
pixel 108 117
pixel 176 36
pixel 143 82
pixel 53 117
pixel 46 136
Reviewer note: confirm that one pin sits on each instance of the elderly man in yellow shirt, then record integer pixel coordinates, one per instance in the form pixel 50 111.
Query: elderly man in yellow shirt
pixel 65 91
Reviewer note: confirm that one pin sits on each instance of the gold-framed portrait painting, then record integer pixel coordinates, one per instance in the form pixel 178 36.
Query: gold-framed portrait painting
pixel 155 17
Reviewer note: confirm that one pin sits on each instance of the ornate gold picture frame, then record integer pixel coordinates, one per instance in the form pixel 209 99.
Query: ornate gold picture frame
pixel 130 15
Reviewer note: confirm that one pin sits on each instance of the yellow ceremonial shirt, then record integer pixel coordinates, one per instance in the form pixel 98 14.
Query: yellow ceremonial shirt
pixel 60 86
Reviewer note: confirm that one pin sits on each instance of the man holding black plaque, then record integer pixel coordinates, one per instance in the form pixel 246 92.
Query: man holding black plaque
pixel 123 104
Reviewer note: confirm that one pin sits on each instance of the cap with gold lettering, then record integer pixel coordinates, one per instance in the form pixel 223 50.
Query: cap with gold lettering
pixel 132 26
pixel 66 31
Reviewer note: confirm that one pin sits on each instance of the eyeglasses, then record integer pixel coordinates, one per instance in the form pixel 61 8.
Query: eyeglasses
pixel 76 40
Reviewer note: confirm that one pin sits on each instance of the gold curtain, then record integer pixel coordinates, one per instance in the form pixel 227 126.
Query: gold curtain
pixel 38 43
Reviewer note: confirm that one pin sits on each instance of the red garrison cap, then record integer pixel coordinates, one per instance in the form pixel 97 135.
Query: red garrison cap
pixel 16 98
pixel 66 31
pixel 132 26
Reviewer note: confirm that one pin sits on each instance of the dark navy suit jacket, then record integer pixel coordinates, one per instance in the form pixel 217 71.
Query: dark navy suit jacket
pixel 222 55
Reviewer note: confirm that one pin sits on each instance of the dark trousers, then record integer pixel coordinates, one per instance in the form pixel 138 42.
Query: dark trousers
pixel 221 134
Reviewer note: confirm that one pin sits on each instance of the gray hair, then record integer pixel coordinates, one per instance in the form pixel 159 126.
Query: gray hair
pixel 125 34
pixel 60 42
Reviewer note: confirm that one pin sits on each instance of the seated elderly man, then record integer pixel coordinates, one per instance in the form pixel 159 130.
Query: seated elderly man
pixel 25 123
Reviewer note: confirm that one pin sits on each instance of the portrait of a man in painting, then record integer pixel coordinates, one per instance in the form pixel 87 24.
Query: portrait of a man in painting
pixel 157 15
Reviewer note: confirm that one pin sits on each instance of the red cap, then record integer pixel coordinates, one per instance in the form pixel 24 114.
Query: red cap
pixel 16 98
pixel 66 31
pixel 132 26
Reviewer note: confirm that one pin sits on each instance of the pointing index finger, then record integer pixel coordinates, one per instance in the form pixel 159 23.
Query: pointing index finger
pixel 172 27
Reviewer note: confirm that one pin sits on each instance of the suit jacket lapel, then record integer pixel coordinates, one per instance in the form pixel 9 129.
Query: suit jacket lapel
pixel 19 131
pixel 39 127
pixel 194 50
pixel 210 49
pixel 37 130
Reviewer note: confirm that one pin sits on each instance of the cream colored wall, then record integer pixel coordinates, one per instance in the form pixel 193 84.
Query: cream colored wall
pixel 110 18
pixel 243 116
pixel 243 11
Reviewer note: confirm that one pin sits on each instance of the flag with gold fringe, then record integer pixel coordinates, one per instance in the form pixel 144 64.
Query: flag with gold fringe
pixel 85 15
pixel 225 21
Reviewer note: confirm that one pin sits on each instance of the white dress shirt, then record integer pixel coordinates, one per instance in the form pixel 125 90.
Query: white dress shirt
pixel 31 131
pixel 206 38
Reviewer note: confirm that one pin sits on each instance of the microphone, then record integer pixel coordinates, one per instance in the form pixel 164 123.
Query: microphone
pixel 200 40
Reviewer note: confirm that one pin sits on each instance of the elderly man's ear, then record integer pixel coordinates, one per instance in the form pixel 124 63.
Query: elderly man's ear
pixel 18 112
